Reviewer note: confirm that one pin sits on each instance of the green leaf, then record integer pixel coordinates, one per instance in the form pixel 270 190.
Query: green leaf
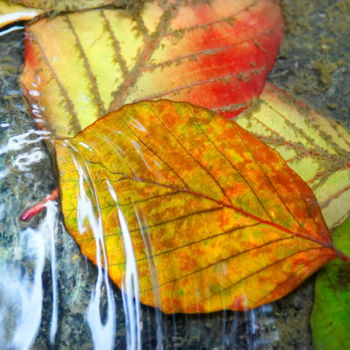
pixel 330 319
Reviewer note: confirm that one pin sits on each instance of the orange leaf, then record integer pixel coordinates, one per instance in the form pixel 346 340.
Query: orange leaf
pixel 215 219
pixel 80 66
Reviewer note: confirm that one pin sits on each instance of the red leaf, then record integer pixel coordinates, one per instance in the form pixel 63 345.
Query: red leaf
pixel 80 66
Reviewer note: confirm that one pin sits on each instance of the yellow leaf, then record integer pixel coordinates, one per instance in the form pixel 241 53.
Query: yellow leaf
pixel 315 147
pixel 65 5
pixel 24 10
pixel 10 13
pixel 198 210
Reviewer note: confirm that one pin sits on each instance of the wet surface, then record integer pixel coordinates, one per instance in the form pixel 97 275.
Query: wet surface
pixel 66 304
pixel 314 58
pixel 63 301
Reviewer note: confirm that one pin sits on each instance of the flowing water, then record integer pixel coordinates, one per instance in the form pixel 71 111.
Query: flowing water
pixel 51 297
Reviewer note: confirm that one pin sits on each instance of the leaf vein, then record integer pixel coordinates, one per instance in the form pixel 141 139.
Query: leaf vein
pixel 234 229
pixel 93 86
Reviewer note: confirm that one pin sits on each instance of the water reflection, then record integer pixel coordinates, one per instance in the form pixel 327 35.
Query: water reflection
pixel 131 289
pixel 22 295
pixel 250 330
pixel 21 273
pixel 21 286
pixel 146 237
pixel 52 226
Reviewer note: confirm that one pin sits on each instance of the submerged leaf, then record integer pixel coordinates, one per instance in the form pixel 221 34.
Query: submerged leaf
pixel 80 66
pixel 315 147
pixel 201 213
pixel 330 319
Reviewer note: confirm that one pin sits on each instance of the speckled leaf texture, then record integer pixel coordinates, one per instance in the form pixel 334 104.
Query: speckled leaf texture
pixel 214 218
pixel 315 147
pixel 213 54
pixel 330 319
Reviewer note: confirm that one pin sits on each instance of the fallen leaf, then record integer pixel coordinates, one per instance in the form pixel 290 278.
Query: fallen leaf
pixel 65 5
pixel 330 319
pixel 214 218
pixel 10 13
pixel 25 10
pixel 315 147
pixel 80 66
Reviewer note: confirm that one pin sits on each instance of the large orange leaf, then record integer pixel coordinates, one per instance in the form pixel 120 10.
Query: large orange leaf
pixel 213 54
pixel 215 219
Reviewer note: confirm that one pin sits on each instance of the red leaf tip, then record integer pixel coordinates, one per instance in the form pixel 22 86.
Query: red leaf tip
pixel 39 207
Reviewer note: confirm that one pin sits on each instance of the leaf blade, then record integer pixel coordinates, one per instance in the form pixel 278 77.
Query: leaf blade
pixel 163 201
pixel 61 6
pixel 198 53
pixel 315 147
pixel 331 312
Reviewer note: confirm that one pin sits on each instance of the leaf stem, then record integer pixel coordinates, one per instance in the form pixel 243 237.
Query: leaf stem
pixel 342 256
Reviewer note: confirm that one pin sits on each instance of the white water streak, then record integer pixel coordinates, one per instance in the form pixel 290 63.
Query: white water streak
pixel 130 284
pixel 22 292
pixel 147 241
pixel 19 142
pixel 52 222
pixel 131 288
pixel 257 339
pixel 29 294
pixel 102 331
pixel 10 30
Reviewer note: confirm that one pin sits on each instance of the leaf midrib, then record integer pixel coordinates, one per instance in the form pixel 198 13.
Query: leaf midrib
pixel 221 203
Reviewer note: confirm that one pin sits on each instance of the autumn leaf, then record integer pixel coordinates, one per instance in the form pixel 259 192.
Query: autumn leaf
pixel 215 219
pixel 330 319
pixel 24 10
pixel 65 5
pixel 315 147
pixel 80 66
pixel 10 13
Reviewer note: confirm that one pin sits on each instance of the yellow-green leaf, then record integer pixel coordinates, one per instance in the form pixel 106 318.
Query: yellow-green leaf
pixel 315 147
pixel 198 210
pixel 330 320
